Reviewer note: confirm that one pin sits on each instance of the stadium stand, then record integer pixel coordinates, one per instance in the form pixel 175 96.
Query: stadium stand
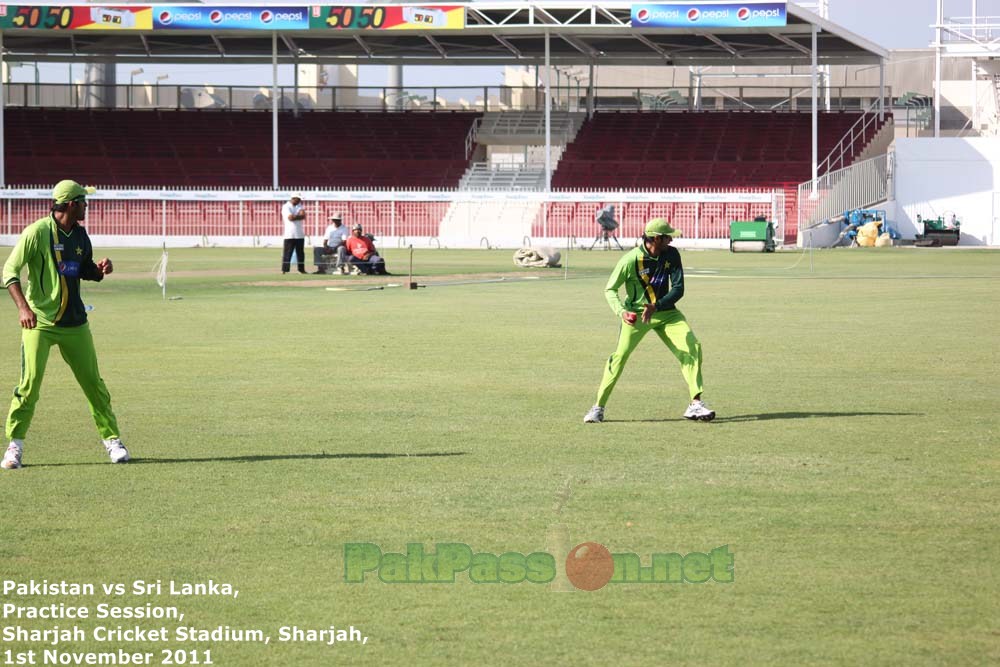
pixel 670 150
pixel 232 149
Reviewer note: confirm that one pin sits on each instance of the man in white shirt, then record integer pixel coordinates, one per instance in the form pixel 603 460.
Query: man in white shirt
pixel 333 245
pixel 292 215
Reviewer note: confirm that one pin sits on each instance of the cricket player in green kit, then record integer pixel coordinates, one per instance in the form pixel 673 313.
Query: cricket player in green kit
pixel 654 282
pixel 57 253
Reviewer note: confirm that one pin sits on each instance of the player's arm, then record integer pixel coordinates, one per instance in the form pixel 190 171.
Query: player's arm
pixel 94 271
pixel 12 279
pixel 668 300
pixel 24 312
pixel 615 282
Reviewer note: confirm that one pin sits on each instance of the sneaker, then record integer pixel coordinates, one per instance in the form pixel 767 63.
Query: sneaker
pixel 595 416
pixel 355 271
pixel 12 457
pixel 698 411
pixel 116 450
pixel 343 270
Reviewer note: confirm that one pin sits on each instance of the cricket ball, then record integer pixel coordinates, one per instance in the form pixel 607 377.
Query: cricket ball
pixel 589 566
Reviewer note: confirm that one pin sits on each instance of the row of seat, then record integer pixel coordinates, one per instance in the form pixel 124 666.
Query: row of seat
pixel 211 148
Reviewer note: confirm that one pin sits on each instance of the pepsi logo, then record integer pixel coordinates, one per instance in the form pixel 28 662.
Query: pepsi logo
pixel 694 14
pixel 266 16
pixel 215 16
pixel 743 14
pixel 166 18
pixel 642 16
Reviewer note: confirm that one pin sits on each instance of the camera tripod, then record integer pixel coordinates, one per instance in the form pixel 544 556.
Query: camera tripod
pixel 606 237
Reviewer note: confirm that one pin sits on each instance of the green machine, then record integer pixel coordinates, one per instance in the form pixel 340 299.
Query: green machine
pixel 751 236
pixel 945 230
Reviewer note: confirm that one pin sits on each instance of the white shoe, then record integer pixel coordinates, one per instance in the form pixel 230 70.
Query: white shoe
pixel 355 271
pixel 116 450
pixel 595 416
pixel 12 457
pixel 698 411
pixel 343 271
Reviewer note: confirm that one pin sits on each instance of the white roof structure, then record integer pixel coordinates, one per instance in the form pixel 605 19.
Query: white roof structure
pixel 494 33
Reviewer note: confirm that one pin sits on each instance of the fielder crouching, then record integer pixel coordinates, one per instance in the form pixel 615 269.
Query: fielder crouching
pixel 654 282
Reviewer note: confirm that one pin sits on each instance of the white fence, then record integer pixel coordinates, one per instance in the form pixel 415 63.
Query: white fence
pixel 432 218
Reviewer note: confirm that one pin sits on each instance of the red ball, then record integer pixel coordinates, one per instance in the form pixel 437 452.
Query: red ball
pixel 589 566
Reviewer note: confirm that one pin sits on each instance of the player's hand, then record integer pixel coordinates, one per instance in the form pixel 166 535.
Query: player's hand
pixel 27 318
pixel 647 312
pixel 629 318
pixel 105 266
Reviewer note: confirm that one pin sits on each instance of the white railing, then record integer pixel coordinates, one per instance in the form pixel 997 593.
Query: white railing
pixel 844 151
pixel 252 217
pixel 860 185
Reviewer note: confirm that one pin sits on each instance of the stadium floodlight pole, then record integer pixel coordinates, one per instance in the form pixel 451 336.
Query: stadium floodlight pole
pixel 815 117
pixel 159 78
pixel 274 110
pixel 131 84
pixel 548 115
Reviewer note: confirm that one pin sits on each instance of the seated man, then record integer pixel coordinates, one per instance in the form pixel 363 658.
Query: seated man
pixel 364 257
pixel 333 245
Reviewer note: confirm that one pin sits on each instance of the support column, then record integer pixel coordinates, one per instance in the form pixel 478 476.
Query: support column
pixel 815 114
pixel 590 92
pixel 3 103
pixel 548 114
pixel 937 70
pixel 976 123
pixel 274 110
pixel 881 89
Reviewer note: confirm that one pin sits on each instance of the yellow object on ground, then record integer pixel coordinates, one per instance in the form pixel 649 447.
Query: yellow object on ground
pixel 868 234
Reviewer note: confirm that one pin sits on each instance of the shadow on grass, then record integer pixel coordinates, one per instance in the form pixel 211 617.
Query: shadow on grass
pixel 812 415
pixel 262 458
pixel 769 416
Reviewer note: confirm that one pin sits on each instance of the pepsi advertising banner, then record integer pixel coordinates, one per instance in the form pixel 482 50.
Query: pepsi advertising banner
pixel 710 15
pixel 174 17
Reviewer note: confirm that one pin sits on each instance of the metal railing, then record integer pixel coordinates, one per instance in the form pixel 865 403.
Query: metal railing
pixel 847 147
pixel 434 98
pixel 860 185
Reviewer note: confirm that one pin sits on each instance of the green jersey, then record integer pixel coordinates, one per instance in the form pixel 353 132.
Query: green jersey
pixel 56 261
pixel 647 279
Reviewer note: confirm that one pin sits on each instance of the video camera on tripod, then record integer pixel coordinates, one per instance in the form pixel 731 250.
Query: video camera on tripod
pixel 606 220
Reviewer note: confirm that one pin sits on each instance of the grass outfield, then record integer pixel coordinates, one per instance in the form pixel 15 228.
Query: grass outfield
pixel 852 469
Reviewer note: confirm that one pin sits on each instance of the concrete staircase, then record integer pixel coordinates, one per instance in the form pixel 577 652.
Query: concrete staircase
pixel 527 128
pixel 504 177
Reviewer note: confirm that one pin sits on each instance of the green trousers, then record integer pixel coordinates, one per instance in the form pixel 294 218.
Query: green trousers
pixel 675 333
pixel 77 347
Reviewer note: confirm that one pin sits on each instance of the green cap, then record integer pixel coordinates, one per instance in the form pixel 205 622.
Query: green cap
pixel 69 190
pixel 660 227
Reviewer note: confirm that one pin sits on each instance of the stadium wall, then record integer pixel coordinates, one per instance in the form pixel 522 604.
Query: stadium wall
pixel 936 176
pixel 455 219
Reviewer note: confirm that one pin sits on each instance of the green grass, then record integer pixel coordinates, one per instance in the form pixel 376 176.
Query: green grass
pixel 852 470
